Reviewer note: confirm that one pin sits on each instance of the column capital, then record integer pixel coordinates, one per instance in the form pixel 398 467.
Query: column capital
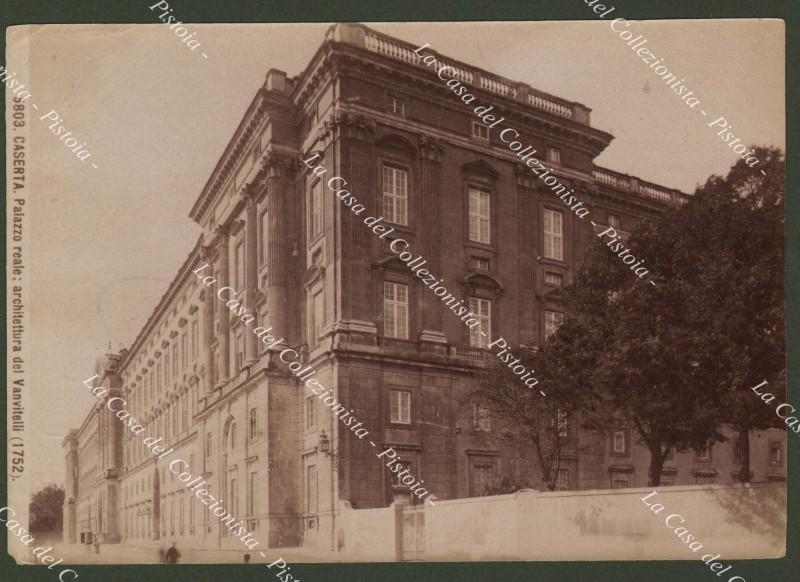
pixel 250 196
pixel 349 125
pixel 275 164
pixel 221 233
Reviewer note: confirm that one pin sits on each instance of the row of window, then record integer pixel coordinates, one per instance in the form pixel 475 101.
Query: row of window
pixel 620 445
pixel 396 105
pixel 396 318
pixel 399 409
pixel 395 211
pixel 138 517
pixel 171 423
pixel 176 359
pixel 230 438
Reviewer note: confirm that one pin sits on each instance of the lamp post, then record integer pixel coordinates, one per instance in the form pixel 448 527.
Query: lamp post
pixel 324 446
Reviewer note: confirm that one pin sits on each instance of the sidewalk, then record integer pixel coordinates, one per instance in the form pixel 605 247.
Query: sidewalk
pixel 141 554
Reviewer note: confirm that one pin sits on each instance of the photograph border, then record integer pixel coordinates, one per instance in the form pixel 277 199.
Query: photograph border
pixel 366 11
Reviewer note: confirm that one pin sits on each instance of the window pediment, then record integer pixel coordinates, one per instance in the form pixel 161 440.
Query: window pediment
pixel 480 169
pixel 397 144
pixel 391 263
pixel 483 281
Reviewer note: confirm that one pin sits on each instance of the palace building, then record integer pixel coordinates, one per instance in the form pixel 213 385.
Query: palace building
pixel 303 264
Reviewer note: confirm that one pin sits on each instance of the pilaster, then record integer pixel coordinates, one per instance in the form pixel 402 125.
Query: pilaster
pixel 223 278
pixel 251 267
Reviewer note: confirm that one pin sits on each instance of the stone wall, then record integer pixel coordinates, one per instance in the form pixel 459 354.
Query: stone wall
pixel 735 521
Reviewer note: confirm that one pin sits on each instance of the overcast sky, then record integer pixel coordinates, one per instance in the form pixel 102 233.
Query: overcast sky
pixel 157 116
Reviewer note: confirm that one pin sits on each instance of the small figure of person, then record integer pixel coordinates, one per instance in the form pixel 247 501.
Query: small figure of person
pixel 173 554
pixel 247 558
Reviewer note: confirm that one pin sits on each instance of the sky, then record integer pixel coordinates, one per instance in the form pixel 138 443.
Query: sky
pixel 156 116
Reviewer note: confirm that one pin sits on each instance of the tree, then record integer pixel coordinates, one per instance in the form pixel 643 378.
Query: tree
pixel 648 367
pixel 46 510
pixel 523 416
pixel 738 278
pixel 676 358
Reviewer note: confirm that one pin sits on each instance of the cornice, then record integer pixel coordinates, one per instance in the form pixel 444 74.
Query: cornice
pixel 412 81
pixel 163 307
pixel 248 130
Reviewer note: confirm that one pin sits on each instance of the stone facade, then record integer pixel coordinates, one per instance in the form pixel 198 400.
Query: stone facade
pixel 302 263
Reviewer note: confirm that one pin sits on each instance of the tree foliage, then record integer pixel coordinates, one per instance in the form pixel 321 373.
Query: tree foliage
pixel 674 360
pixel 46 510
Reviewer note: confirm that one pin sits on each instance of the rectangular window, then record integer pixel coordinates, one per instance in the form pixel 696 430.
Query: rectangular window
pixel 234 508
pixel 195 338
pixel 239 346
pixel 215 367
pixel 208 444
pixel 395 482
pixel 553 235
pixel 480 264
pixel 191 514
pixel 480 336
pixel 185 411
pixel 315 210
pixel 159 367
pixel 400 406
pixel 318 315
pixel 775 453
pixel 704 480
pixel 481 420
pixel 562 423
pixel 252 500
pixel 311 413
pixel 396 105
pixel 264 236
pixel 480 131
pixel 553 279
pixel 395 195
pixel 613 222
pixel 165 383
pixel 395 310
pixel 620 441
pixel 175 360
pixel 238 257
pixel 620 481
pixel 552 321
pixel 479 216
pixel 311 489
pixel 184 351
pixel 252 431
pixel 704 452
pixel 554 155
